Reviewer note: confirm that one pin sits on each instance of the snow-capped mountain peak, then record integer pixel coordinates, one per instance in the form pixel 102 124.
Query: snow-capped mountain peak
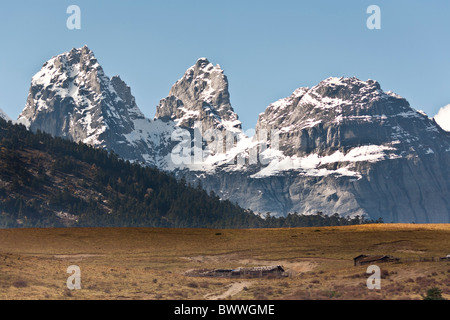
pixel 72 97
pixel 200 95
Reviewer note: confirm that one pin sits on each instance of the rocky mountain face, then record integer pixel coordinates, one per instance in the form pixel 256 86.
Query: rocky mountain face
pixel 72 97
pixel 205 126
pixel 346 146
pixel 348 116
pixel 343 146
pixel 201 95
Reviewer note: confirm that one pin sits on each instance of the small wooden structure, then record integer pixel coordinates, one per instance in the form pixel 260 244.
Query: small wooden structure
pixel 446 258
pixel 242 272
pixel 363 259
pixel 258 272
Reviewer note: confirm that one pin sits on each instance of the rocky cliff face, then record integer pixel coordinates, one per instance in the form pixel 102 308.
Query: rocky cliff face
pixel 351 120
pixel 323 119
pixel 342 146
pixel 72 97
pixel 346 146
pixel 198 106
pixel 200 95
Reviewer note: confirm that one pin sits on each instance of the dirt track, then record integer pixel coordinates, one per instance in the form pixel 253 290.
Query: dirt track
pixel 232 289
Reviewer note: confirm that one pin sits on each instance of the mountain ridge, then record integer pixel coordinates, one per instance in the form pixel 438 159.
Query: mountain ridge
pixel 325 148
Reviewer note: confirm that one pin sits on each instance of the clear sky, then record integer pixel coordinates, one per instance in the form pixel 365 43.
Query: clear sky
pixel 267 48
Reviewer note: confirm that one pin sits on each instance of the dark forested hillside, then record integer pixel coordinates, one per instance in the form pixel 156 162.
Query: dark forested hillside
pixel 53 182
pixel 46 181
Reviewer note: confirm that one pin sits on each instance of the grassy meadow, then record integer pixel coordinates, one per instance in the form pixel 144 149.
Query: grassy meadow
pixel 146 263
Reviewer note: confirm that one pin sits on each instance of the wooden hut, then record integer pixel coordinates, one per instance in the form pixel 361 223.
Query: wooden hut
pixel 241 272
pixel 258 272
pixel 446 258
pixel 363 259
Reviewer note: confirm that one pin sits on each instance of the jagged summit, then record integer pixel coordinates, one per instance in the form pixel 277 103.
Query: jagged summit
pixel 339 114
pixel 83 101
pixel 200 95
pixel 330 98
pixel 202 62
pixel 349 95
pixel 72 97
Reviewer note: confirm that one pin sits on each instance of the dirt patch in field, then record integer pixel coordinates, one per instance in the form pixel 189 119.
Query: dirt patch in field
pixel 231 290
pixel 400 245
pixel 76 257
pixel 412 251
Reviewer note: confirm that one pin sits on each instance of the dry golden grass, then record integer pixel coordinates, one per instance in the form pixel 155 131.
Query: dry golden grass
pixel 144 263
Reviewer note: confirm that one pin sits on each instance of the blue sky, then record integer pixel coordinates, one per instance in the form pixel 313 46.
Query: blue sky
pixel 267 48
